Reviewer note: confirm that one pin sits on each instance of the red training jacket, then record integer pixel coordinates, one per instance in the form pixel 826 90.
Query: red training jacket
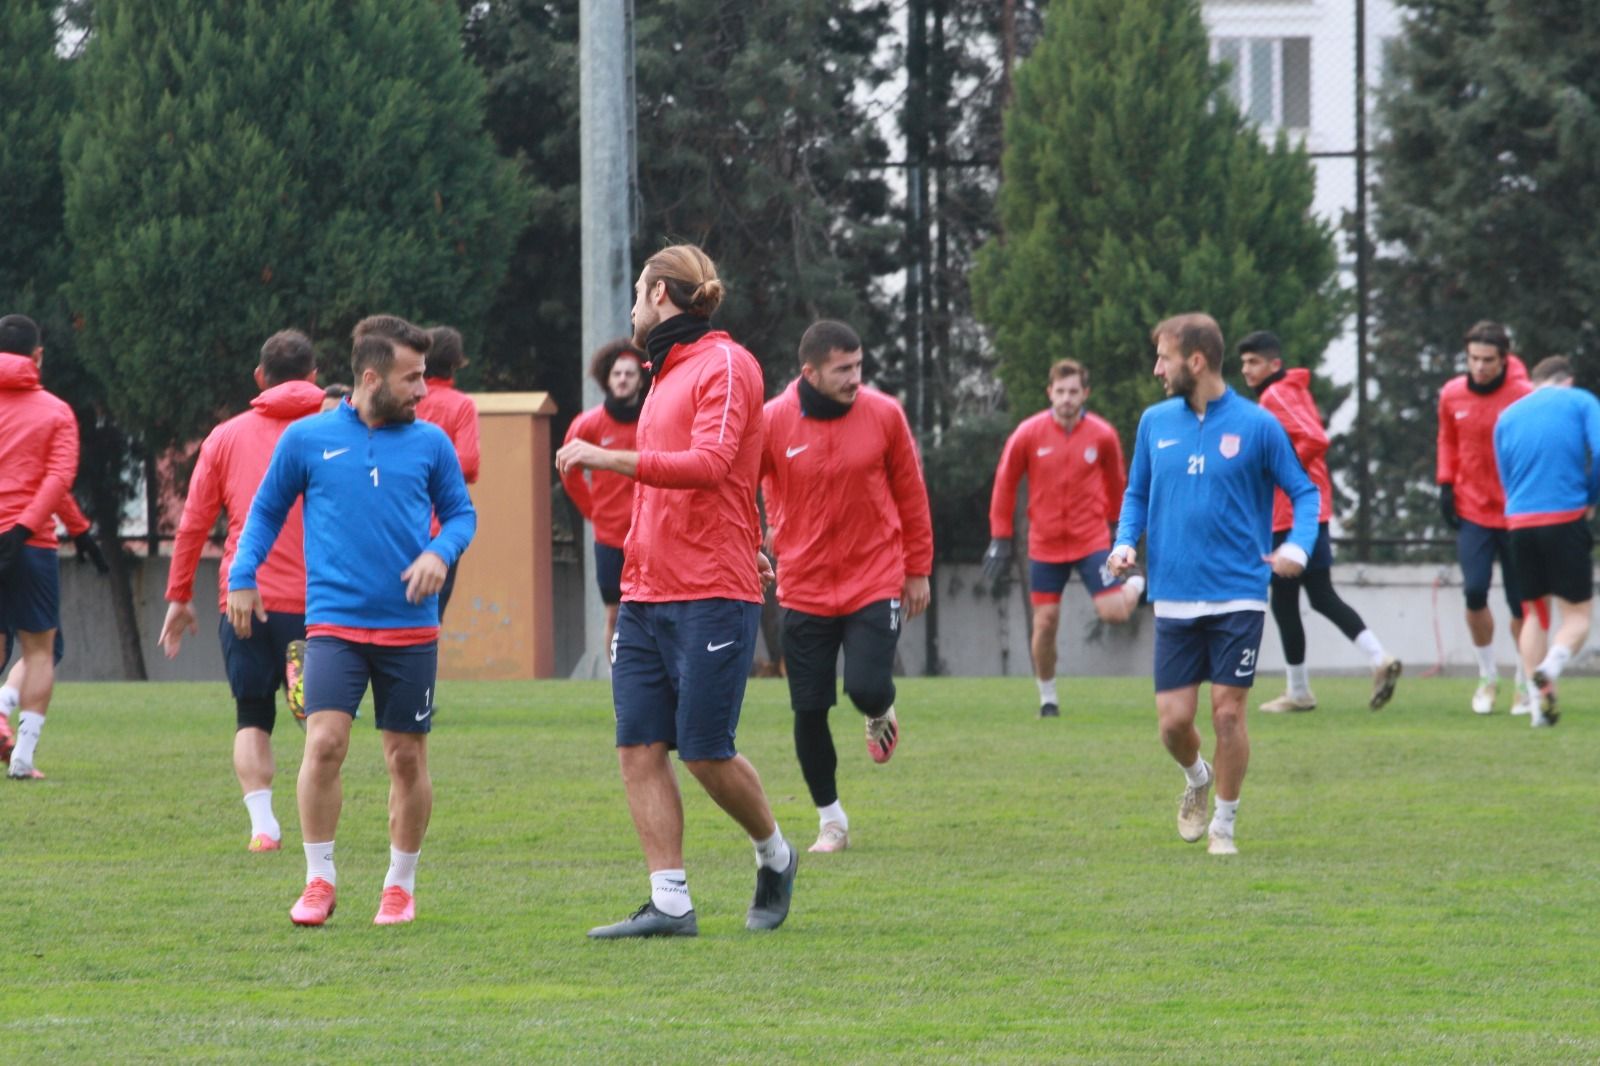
pixel 608 501
pixel 454 412
pixel 38 451
pixel 1466 444
pixel 72 515
pixel 695 529
pixel 1075 485
pixel 232 462
pixel 1289 400
pixel 846 503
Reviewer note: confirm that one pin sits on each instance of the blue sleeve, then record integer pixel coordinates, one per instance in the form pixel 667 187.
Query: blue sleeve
pixel 458 520
pixel 283 483
pixel 1136 498
pixel 1591 433
pixel 1292 478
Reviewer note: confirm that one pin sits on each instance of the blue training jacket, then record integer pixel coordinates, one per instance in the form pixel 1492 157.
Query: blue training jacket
pixel 1201 492
pixel 1547 446
pixel 370 495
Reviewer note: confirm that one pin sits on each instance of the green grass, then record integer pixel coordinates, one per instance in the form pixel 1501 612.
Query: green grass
pixel 1418 885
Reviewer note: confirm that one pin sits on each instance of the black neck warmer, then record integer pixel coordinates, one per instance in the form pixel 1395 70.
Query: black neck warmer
pixel 815 405
pixel 1494 385
pixel 679 329
pixel 624 410
pixel 1270 381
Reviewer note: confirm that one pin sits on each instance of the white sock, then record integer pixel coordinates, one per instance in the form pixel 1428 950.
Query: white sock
pixel 402 869
pixel 1555 661
pixel 1198 774
pixel 1532 693
pixel 1136 583
pixel 1368 642
pixel 773 852
pixel 669 891
pixel 1522 674
pixel 1486 669
pixel 29 726
pixel 319 862
pixel 833 812
pixel 1047 691
pixel 10 700
pixel 1223 816
pixel 1299 682
pixel 259 804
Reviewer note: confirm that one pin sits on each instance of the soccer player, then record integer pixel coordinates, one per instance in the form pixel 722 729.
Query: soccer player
pixel 691 590
pixel 604 498
pixel 1471 499
pixel 1072 459
pixel 334 395
pixel 454 412
pixel 1546 446
pixel 38 462
pixel 233 459
pixel 1205 464
pixel 1286 394
pixel 850 525
pixel 371 476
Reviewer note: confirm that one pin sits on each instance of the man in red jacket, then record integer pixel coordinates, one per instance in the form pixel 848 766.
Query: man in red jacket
pixel 1287 395
pixel 604 498
pixel 691 590
pixel 1471 499
pixel 1072 459
pixel 233 459
pixel 849 520
pixel 454 412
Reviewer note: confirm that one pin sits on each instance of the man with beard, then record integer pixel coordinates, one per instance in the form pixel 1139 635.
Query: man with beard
pixel 1205 464
pixel 691 590
pixel 605 498
pixel 854 541
pixel 371 476
pixel 1073 462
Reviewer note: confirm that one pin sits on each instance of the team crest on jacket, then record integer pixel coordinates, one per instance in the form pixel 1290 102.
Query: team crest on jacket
pixel 1229 446
pixel 1090 455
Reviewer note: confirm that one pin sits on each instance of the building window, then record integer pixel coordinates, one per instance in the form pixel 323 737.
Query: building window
pixel 1269 77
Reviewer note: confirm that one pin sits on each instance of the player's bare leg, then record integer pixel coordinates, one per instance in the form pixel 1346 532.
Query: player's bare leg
pixel 320 792
pixel 36 685
pixel 1046 624
pixel 1116 606
pixel 252 759
pixel 654 802
pixel 1232 760
pixel 410 807
pixel 736 787
pixel 1545 659
pixel 1175 711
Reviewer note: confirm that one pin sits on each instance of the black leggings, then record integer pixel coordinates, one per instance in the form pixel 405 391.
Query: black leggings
pixel 1326 602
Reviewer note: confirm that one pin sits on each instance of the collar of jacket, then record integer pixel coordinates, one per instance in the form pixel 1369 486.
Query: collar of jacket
pixel 815 405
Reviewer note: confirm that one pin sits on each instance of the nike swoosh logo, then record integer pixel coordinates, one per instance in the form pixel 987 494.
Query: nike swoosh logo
pixel 1462 414
pixel 424 714
pixel 606 440
pixel 1165 443
pixel 1243 673
pixel 718 647
pixel 1042 452
pixel 326 454
pixel 792 452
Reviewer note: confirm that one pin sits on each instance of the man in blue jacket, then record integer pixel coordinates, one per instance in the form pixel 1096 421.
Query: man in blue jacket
pixel 372 477
pixel 1205 464
pixel 1547 447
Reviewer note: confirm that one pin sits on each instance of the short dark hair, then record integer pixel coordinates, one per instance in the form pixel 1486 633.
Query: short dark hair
pixel 605 357
pixel 821 339
pixel 445 353
pixel 287 356
pixel 19 334
pixel 1489 332
pixel 1194 332
pixel 394 328
pixel 1062 369
pixel 374 350
pixel 1262 342
pixel 336 391
pixel 1552 368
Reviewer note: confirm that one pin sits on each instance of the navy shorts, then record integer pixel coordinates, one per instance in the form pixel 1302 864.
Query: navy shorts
pixel 255 665
pixel 1219 648
pixel 337 672
pixel 11 640
pixel 1048 580
pixel 1321 554
pixel 678 673
pixel 30 593
pixel 608 573
pixel 1477 547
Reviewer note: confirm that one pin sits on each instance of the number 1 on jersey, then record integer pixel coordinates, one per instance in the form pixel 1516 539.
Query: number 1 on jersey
pixel 374 473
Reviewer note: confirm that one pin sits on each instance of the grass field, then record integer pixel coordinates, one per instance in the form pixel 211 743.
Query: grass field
pixel 1418 885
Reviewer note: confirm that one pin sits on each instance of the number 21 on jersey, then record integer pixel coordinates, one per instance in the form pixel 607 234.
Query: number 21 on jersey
pixel 1197 465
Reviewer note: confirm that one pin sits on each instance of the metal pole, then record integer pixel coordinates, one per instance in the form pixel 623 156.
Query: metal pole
pixel 1364 480
pixel 606 110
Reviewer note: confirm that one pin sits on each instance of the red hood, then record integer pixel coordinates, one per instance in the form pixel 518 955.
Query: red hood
pixel 291 400
pixel 18 373
pixel 1298 376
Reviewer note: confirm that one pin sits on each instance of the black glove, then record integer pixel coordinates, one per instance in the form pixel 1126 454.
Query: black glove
pixel 11 542
pixel 996 559
pixel 89 551
pixel 1447 506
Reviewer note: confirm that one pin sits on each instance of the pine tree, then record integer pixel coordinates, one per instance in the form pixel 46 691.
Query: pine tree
pixel 1132 189
pixel 240 167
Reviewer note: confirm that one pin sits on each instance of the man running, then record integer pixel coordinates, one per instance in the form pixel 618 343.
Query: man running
pixel 853 537
pixel 38 462
pixel 604 498
pixel 1072 459
pixel 1205 464
pixel 691 591
pixel 454 412
pixel 233 460
pixel 1286 394
pixel 372 477
pixel 1472 501
pixel 1547 447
